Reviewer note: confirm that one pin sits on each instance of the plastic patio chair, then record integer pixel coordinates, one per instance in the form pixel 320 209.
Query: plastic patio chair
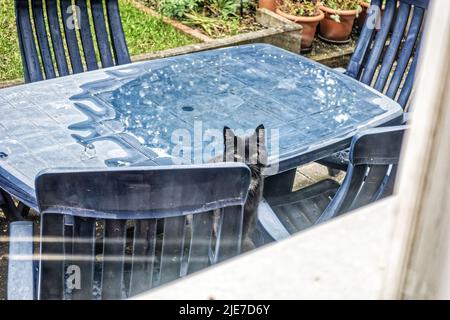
pixel 70 49
pixel 374 156
pixel 386 59
pixel 111 234
pixel 380 52
pixel 67 51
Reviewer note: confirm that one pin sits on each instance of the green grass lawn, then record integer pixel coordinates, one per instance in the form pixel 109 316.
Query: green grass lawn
pixel 10 64
pixel 144 34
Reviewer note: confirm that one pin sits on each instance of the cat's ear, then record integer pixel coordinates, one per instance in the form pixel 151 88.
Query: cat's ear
pixel 228 137
pixel 228 144
pixel 227 133
pixel 260 133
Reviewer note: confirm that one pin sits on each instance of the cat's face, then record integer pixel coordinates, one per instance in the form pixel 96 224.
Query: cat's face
pixel 250 150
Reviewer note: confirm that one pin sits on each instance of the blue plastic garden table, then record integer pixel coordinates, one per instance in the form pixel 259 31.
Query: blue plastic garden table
pixel 138 114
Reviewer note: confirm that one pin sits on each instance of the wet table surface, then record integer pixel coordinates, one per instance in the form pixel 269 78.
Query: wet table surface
pixel 174 110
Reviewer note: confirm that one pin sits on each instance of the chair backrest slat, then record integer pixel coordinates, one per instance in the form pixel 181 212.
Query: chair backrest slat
pixel 383 57
pixel 229 237
pixel 56 36
pixel 113 264
pixel 143 259
pixel 355 65
pixel 72 48
pixel 129 206
pixel 201 242
pixel 83 256
pixel 388 184
pixel 120 48
pixel 172 249
pixel 52 257
pixel 408 85
pixel 27 44
pixel 41 32
pixel 68 13
pixel 379 43
pixel 86 36
pixel 369 187
pixel 407 52
pixel 394 46
pixel 355 176
pixel 98 16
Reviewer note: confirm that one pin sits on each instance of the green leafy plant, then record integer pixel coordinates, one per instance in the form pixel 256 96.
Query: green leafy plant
pixel 383 3
pixel 370 1
pixel 303 8
pixel 215 17
pixel 180 8
pixel 177 8
pixel 223 8
pixel 342 5
pixel 211 25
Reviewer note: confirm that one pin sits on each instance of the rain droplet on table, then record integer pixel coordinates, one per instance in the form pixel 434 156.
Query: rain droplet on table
pixel 89 152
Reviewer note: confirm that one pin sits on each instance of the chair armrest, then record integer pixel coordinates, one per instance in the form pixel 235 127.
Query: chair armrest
pixel 270 222
pixel 21 273
pixel 378 146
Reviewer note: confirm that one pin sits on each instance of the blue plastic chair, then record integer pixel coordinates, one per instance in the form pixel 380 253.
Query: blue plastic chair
pixel 68 51
pixel 124 231
pixel 374 157
pixel 386 59
pixel 372 63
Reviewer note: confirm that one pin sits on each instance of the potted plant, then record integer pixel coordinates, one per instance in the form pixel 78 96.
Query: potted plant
pixel 340 15
pixel 268 4
pixel 305 13
pixel 365 5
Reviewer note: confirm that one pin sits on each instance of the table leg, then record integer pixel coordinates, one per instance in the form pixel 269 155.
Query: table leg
pixel 279 184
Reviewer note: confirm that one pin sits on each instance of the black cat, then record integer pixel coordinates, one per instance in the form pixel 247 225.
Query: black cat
pixel 250 150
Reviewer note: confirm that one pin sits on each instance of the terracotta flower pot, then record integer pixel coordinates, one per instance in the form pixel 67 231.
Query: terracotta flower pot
pixel 333 31
pixel 268 4
pixel 363 14
pixel 309 25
